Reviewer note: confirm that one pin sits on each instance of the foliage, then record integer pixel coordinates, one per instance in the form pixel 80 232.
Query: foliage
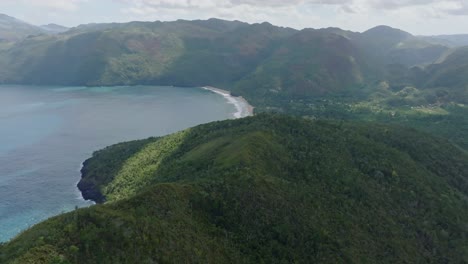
pixel 96 171
pixel 268 189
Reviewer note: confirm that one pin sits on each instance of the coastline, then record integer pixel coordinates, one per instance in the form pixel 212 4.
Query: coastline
pixel 81 191
pixel 87 191
pixel 244 109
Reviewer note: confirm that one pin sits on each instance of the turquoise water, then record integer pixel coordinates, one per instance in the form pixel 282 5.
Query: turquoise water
pixel 47 132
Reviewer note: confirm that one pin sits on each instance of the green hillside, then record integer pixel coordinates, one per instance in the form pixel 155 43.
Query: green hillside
pixel 386 45
pixel 309 63
pixel 215 52
pixel 263 62
pixel 267 189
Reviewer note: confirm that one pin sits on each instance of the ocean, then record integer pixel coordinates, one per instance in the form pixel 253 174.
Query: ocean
pixel 47 132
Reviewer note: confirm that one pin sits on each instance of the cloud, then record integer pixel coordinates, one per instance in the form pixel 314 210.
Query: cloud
pixel 396 4
pixel 456 7
pixel 62 5
pixel 416 16
pixel 423 7
pixel 289 3
pixel 447 7
pixel 227 3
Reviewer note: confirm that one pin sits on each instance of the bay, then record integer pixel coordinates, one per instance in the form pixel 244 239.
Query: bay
pixel 47 132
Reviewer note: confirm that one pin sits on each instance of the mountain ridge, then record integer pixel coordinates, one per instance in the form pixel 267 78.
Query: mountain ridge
pixel 178 33
pixel 12 29
pixel 266 189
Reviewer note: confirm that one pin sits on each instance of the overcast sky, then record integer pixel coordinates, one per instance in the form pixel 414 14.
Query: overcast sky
pixel 421 17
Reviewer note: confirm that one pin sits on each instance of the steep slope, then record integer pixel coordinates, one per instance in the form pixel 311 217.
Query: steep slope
pixel 309 63
pixel 266 189
pixel 12 29
pixel 132 53
pixel 233 55
pixel 451 73
pixel 171 53
pixel 227 57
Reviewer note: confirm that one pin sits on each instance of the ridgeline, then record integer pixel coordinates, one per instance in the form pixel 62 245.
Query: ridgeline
pixel 266 189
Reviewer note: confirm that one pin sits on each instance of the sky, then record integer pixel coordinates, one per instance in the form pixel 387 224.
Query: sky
pixel 420 17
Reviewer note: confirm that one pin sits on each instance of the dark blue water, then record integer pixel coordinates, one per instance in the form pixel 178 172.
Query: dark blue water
pixel 47 132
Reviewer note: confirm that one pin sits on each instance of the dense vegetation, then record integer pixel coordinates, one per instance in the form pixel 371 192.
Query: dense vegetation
pixel 234 55
pixel 267 189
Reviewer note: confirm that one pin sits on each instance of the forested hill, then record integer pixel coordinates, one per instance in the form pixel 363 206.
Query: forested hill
pixel 229 54
pixel 266 189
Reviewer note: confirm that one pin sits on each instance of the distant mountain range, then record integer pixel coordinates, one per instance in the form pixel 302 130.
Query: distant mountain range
pixel 12 29
pixel 229 54
pixel 163 52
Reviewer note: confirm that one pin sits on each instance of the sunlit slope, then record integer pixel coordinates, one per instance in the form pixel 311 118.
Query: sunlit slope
pixel 266 189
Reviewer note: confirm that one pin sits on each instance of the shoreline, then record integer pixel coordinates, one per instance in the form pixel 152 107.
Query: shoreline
pixel 80 196
pixel 244 109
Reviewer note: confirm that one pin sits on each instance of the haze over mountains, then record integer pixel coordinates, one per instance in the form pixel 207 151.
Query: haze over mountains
pixel 12 29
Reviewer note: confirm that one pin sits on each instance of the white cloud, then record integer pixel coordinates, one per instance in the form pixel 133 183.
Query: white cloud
pixel 416 16
pixel 448 7
pixel 64 5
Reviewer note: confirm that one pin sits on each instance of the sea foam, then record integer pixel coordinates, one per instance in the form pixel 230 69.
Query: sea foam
pixel 242 107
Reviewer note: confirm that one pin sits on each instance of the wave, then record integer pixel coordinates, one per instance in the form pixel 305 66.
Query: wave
pixel 243 109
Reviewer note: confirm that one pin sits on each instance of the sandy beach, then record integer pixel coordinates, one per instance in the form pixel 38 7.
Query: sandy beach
pixel 244 109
